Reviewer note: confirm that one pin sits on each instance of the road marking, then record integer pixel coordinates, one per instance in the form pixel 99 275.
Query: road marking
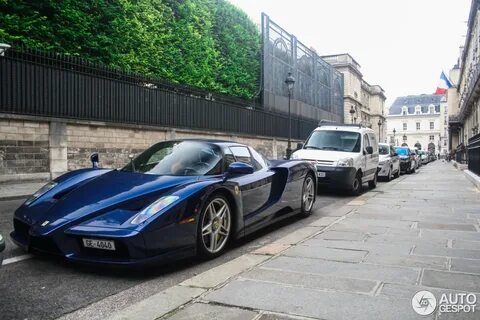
pixel 16 259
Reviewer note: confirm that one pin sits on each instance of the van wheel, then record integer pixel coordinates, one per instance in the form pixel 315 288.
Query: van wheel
pixel 356 185
pixel 373 183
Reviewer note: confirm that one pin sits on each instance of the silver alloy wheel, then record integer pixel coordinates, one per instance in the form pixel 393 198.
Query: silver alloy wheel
pixel 308 194
pixel 216 225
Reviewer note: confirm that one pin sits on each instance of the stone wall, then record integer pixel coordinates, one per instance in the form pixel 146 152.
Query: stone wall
pixel 32 147
pixel 23 146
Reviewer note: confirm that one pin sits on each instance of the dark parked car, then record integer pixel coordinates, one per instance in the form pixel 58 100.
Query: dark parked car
pixel 407 159
pixel 176 199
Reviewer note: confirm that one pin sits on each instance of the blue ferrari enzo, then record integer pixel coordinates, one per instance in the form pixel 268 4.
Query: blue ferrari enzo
pixel 174 200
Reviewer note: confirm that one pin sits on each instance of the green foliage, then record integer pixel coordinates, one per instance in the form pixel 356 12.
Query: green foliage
pixel 205 43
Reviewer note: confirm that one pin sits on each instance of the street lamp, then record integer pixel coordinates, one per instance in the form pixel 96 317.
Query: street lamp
pixel 290 82
pixel 394 141
pixel 352 111
pixel 379 125
pixel 3 48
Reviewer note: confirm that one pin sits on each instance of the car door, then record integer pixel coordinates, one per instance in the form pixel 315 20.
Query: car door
pixel 255 188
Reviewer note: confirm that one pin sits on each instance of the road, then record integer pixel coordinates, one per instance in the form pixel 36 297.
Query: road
pixel 48 288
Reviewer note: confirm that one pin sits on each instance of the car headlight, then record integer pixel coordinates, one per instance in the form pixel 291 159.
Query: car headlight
pixel 347 162
pixel 49 186
pixel 153 209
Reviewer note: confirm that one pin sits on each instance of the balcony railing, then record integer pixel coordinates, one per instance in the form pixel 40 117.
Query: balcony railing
pixel 470 91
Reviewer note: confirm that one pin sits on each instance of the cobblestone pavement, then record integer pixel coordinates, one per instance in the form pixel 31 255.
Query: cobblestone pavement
pixel 419 232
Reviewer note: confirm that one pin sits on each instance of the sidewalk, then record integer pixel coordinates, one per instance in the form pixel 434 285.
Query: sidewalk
pixel 363 261
pixel 19 190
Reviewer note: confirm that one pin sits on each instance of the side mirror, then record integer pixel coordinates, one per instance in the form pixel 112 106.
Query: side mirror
pixel 369 149
pixel 237 168
pixel 299 146
pixel 94 159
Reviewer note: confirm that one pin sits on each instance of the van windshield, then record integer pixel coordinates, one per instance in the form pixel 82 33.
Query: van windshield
pixel 334 140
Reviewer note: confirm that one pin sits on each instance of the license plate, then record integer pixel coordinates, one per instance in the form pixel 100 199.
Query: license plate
pixel 321 174
pixel 99 244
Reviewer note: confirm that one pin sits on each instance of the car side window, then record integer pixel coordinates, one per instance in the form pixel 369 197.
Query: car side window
pixel 259 162
pixel 228 158
pixel 242 154
pixel 373 142
pixel 366 142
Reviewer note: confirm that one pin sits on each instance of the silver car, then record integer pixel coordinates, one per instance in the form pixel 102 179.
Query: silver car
pixel 389 163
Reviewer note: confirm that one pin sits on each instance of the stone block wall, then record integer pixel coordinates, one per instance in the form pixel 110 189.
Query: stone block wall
pixel 30 146
pixel 24 147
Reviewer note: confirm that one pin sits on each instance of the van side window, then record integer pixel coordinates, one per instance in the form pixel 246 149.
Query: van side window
pixel 373 142
pixel 366 142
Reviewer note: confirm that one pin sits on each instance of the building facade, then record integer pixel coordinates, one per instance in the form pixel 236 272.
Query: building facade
pixel 362 102
pixel 419 121
pixel 464 118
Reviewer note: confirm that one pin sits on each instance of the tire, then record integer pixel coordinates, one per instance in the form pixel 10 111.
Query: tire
pixel 373 183
pixel 389 175
pixel 396 175
pixel 308 196
pixel 214 227
pixel 356 185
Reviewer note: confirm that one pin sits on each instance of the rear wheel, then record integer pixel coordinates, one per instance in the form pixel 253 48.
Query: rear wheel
pixel 397 174
pixel 356 185
pixel 214 227
pixel 308 196
pixel 373 183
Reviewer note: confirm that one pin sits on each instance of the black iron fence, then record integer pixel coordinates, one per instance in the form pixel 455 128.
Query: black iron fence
pixel 39 83
pixel 474 154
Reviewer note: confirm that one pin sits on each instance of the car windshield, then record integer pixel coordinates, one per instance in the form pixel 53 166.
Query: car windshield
pixel 334 140
pixel 401 151
pixel 383 149
pixel 179 158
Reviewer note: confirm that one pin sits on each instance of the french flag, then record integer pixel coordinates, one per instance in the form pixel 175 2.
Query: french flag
pixel 443 85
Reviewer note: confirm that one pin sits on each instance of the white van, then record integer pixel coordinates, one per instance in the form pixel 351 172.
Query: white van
pixel 346 156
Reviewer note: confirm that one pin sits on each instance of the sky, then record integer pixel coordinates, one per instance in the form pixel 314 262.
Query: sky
pixel 403 46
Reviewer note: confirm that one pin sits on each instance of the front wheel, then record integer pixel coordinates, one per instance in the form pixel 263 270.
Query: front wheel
pixel 308 196
pixel 214 227
pixel 389 175
pixel 356 185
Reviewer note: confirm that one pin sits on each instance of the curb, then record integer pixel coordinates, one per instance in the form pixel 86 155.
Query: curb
pixel 193 289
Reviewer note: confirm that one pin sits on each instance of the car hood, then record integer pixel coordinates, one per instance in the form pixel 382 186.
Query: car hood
pixel 113 190
pixel 383 157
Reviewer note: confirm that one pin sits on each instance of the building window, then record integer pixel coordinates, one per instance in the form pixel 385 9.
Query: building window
pixel 432 138
pixel 432 109
pixel 432 125
pixel 404 112
pixel 404 138
pixel 404 127
pixel 417 112
pixel 418 125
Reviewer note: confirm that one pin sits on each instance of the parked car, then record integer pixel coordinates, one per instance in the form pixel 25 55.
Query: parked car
pixel 2 248
pixel 176 199
pixel 407 160
pixel 423 156
pixel 389 163
pixel 346 156
pixel 416 155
